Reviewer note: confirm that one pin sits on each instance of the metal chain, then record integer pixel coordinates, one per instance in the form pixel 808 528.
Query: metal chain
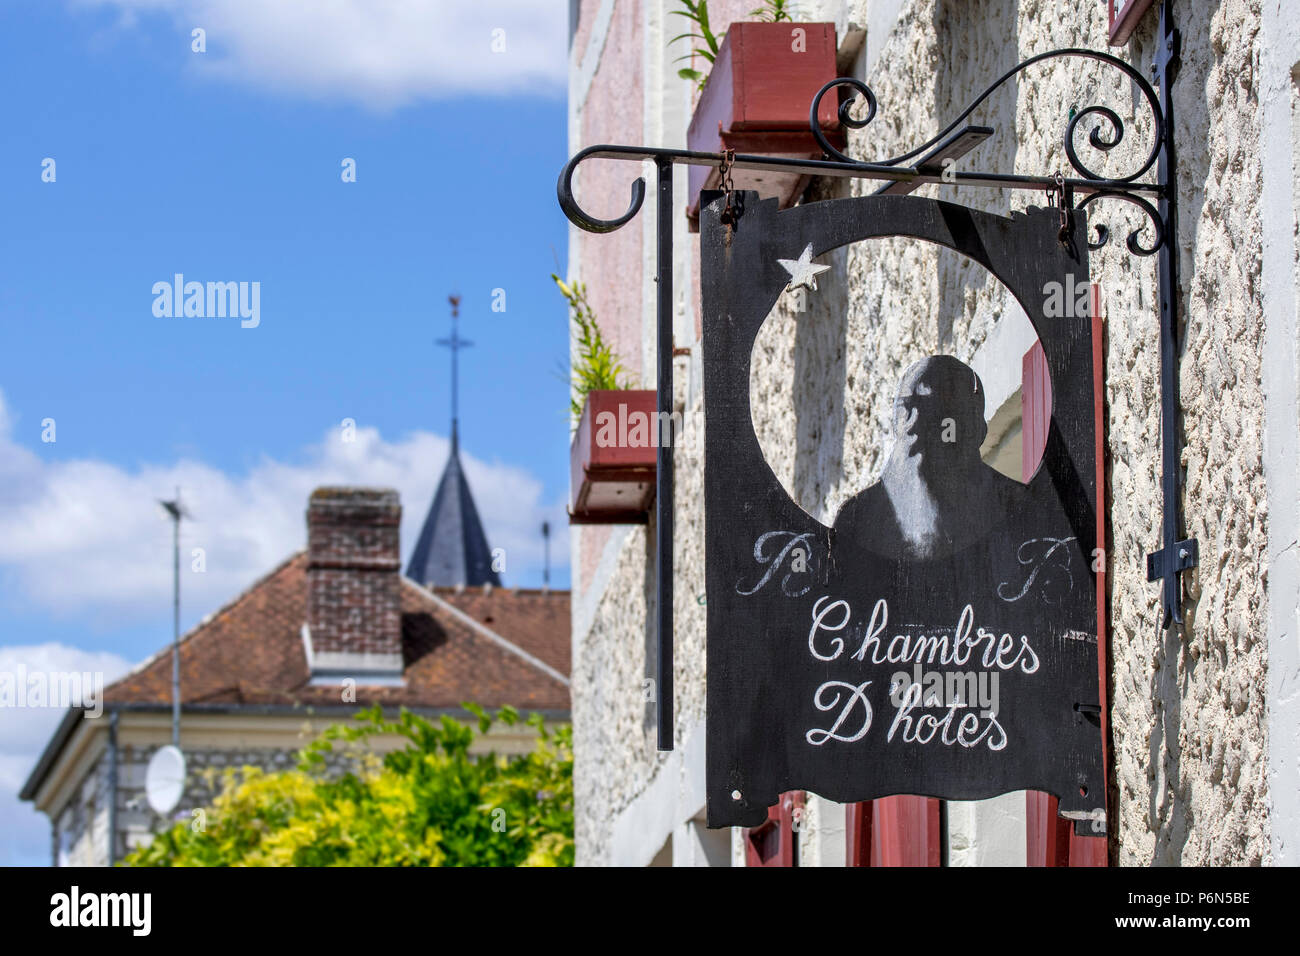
pixel 1056 195
pixel 728 187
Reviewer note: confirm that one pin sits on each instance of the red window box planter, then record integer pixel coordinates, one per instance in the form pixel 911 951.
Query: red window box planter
pixel 756 101
pixel 612 459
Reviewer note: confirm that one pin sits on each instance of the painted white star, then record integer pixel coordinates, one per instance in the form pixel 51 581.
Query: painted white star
pixel 803 272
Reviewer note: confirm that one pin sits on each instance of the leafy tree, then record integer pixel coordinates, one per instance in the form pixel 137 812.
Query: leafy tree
pixel 429 803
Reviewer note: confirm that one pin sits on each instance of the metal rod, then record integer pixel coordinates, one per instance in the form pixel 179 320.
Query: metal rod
pixel 1174 556
pixel 827 167
pixel 176 623
pixel 112 788
pixel 664 457
pixel 1167 266
pixel 808 167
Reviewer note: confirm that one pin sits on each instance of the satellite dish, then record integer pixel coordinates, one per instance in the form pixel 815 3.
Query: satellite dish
pixel 164 780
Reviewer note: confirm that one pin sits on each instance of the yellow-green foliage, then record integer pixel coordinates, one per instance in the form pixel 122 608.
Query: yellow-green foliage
pixel 427 804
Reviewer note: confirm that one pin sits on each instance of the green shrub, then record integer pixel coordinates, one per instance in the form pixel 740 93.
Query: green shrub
pixel 429 803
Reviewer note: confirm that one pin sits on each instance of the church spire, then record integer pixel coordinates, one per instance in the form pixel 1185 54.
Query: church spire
pixel 452 548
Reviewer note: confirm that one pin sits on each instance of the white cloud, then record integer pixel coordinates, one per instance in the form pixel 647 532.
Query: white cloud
pixel 86 538
pixel 24 833
pixel 380 53
pixel 25 729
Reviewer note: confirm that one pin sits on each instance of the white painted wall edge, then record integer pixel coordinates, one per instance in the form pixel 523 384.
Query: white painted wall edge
pixel 881 17
pixel 1280 55
pixel 674 795
pixel 582 73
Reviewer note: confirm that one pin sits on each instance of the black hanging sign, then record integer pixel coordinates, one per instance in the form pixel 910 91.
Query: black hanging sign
pixel 940 637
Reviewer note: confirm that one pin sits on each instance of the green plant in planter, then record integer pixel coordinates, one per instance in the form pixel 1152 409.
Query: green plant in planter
pixel 773 11
pixel 595 366
pixel 697 11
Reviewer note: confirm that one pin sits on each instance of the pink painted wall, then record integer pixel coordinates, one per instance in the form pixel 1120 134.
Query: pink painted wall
pixel 612 265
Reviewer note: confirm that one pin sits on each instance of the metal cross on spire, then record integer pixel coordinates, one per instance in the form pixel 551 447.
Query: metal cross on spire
pixel 455 343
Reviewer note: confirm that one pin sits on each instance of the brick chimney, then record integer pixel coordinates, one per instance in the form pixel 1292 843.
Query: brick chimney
pixel 354 619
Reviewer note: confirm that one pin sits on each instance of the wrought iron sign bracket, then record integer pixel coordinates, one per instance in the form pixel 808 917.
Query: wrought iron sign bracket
pixel 903 173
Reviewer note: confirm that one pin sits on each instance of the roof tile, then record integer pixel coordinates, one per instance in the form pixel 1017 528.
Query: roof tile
pixel 251 651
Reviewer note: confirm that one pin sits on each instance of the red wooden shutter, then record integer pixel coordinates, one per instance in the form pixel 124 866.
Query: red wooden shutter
pixel 1050 840
pixel 1035 409
pixel 895 831
pixel 1124 16
pixel 857 833
pixel 774 842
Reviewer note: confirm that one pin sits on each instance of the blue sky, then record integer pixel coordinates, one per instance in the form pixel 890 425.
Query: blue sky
pixel 225 165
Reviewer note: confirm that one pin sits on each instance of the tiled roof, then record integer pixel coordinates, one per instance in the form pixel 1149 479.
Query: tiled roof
pixel 251 652
pixel 536 620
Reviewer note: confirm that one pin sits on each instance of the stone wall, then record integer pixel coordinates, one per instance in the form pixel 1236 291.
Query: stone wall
pixel 1188 708
pixel 79 836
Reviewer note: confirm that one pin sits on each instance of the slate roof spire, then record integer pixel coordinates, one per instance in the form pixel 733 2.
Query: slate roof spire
pixel 452 548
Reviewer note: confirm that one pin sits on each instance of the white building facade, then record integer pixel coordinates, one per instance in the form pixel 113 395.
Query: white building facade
pixel 1205 719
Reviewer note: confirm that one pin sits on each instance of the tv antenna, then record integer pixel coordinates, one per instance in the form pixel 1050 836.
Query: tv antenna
pixel 176 511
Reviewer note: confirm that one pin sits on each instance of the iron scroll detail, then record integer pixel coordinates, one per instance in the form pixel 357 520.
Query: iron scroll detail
pixel 576 214
pixel 1096 138
pixel 1133 242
